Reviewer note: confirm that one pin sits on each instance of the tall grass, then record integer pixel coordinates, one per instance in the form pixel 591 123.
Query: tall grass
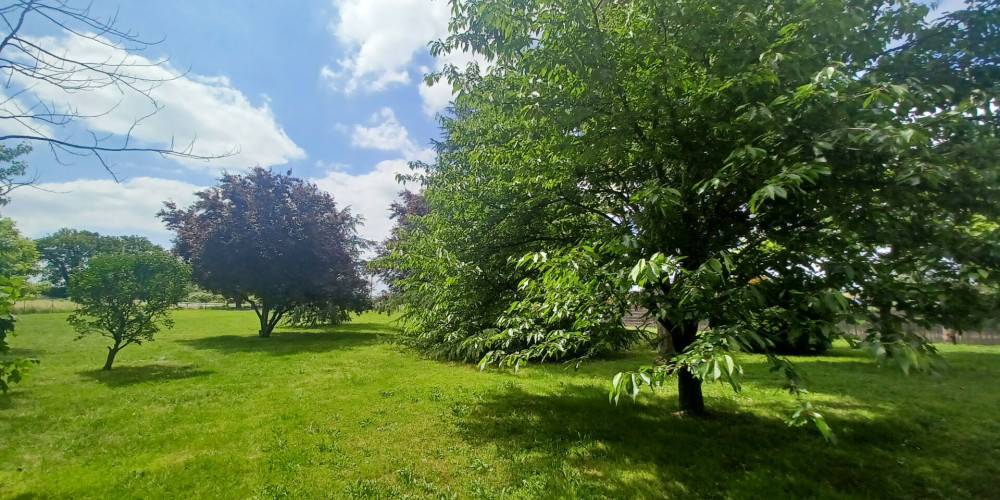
pixel 36 306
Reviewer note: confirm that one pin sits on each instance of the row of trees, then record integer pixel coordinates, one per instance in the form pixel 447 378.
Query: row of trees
pixel 740 164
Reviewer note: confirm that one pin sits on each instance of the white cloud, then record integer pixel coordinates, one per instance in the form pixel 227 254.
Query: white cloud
pixel 382 37
pixel 387 134
pixel 101 205
pixel 367 194
pixel 205 111
pixel 436 97
pixel 130 207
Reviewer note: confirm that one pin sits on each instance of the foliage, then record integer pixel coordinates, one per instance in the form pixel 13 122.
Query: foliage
pixel 11 174
pixel 455 264
pixel 406 213
pixel 194 293
pixel 18 255
pixel 274 241
pixel 68 250
pixel 841 152
pixel 11 370
pixel 333 407
pixel 126 297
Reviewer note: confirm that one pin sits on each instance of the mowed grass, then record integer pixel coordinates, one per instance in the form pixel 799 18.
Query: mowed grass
pixel 209 410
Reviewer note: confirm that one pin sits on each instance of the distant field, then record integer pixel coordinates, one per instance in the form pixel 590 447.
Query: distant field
pixel 43 306
pixel 212 411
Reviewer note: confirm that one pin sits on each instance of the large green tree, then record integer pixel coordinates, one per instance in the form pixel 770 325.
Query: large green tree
pixel 127 297
pixel 819 160
pixel 273 241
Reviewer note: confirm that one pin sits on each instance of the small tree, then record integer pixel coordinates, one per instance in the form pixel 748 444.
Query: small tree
pixel 127 297
pixel 273 241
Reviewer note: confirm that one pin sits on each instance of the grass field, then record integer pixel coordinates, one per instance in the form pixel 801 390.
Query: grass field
pixel 209 410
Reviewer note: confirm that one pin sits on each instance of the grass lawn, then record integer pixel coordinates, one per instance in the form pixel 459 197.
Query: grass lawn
pixel 210 410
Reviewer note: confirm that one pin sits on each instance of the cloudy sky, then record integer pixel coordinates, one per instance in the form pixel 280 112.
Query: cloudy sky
pixel 331 89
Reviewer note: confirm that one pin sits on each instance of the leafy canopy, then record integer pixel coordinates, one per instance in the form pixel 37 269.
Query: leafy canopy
pixel 68 250
pixel 274 241
pixel 822 160
pixel 127 297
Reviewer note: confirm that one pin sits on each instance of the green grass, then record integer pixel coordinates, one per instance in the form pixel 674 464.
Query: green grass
pixel 210 410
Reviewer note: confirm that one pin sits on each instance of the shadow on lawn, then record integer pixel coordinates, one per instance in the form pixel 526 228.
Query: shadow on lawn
pixel 283 341
pixel 19 352
pixel 578 445
pixel 131 375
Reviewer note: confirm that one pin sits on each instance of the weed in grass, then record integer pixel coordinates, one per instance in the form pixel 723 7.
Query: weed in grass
pixel 369 489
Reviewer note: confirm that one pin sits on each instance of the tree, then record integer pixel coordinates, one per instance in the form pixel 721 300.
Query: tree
pixel 273 241
pixel 11 370
pixel 18 255
pixel 67 250
pixel 28 61
pixel 844 151
pixel 127 296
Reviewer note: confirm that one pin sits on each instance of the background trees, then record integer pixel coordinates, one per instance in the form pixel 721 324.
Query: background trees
pixel 68 250
pixel 127 296
pixel 273 241
pixel 824 161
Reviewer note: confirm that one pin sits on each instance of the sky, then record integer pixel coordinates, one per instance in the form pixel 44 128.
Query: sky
pixel 331 89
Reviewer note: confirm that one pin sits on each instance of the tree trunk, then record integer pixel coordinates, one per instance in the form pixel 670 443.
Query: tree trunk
pixel 112 351
pixel 264 316
pixel 888 330
pixel 665 348
pixel 689 394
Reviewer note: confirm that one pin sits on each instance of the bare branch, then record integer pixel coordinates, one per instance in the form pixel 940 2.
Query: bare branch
pixel 27 62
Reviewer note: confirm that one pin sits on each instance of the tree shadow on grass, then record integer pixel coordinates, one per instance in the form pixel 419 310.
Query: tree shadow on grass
pixel 19 352
pixel 578 445
pixel 283 342
pixel 131 375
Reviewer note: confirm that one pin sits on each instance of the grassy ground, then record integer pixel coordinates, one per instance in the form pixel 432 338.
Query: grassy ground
pixel 211 411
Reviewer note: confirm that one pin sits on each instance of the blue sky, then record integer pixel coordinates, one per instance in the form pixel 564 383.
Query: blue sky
pixel 329 88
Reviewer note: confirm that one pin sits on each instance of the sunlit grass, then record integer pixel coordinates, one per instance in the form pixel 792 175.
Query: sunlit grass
pixel 210 410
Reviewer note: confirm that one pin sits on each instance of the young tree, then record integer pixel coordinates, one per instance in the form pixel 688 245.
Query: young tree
pixel 842 150
pixel 127 296
pixel 273 241
pixel 67 250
